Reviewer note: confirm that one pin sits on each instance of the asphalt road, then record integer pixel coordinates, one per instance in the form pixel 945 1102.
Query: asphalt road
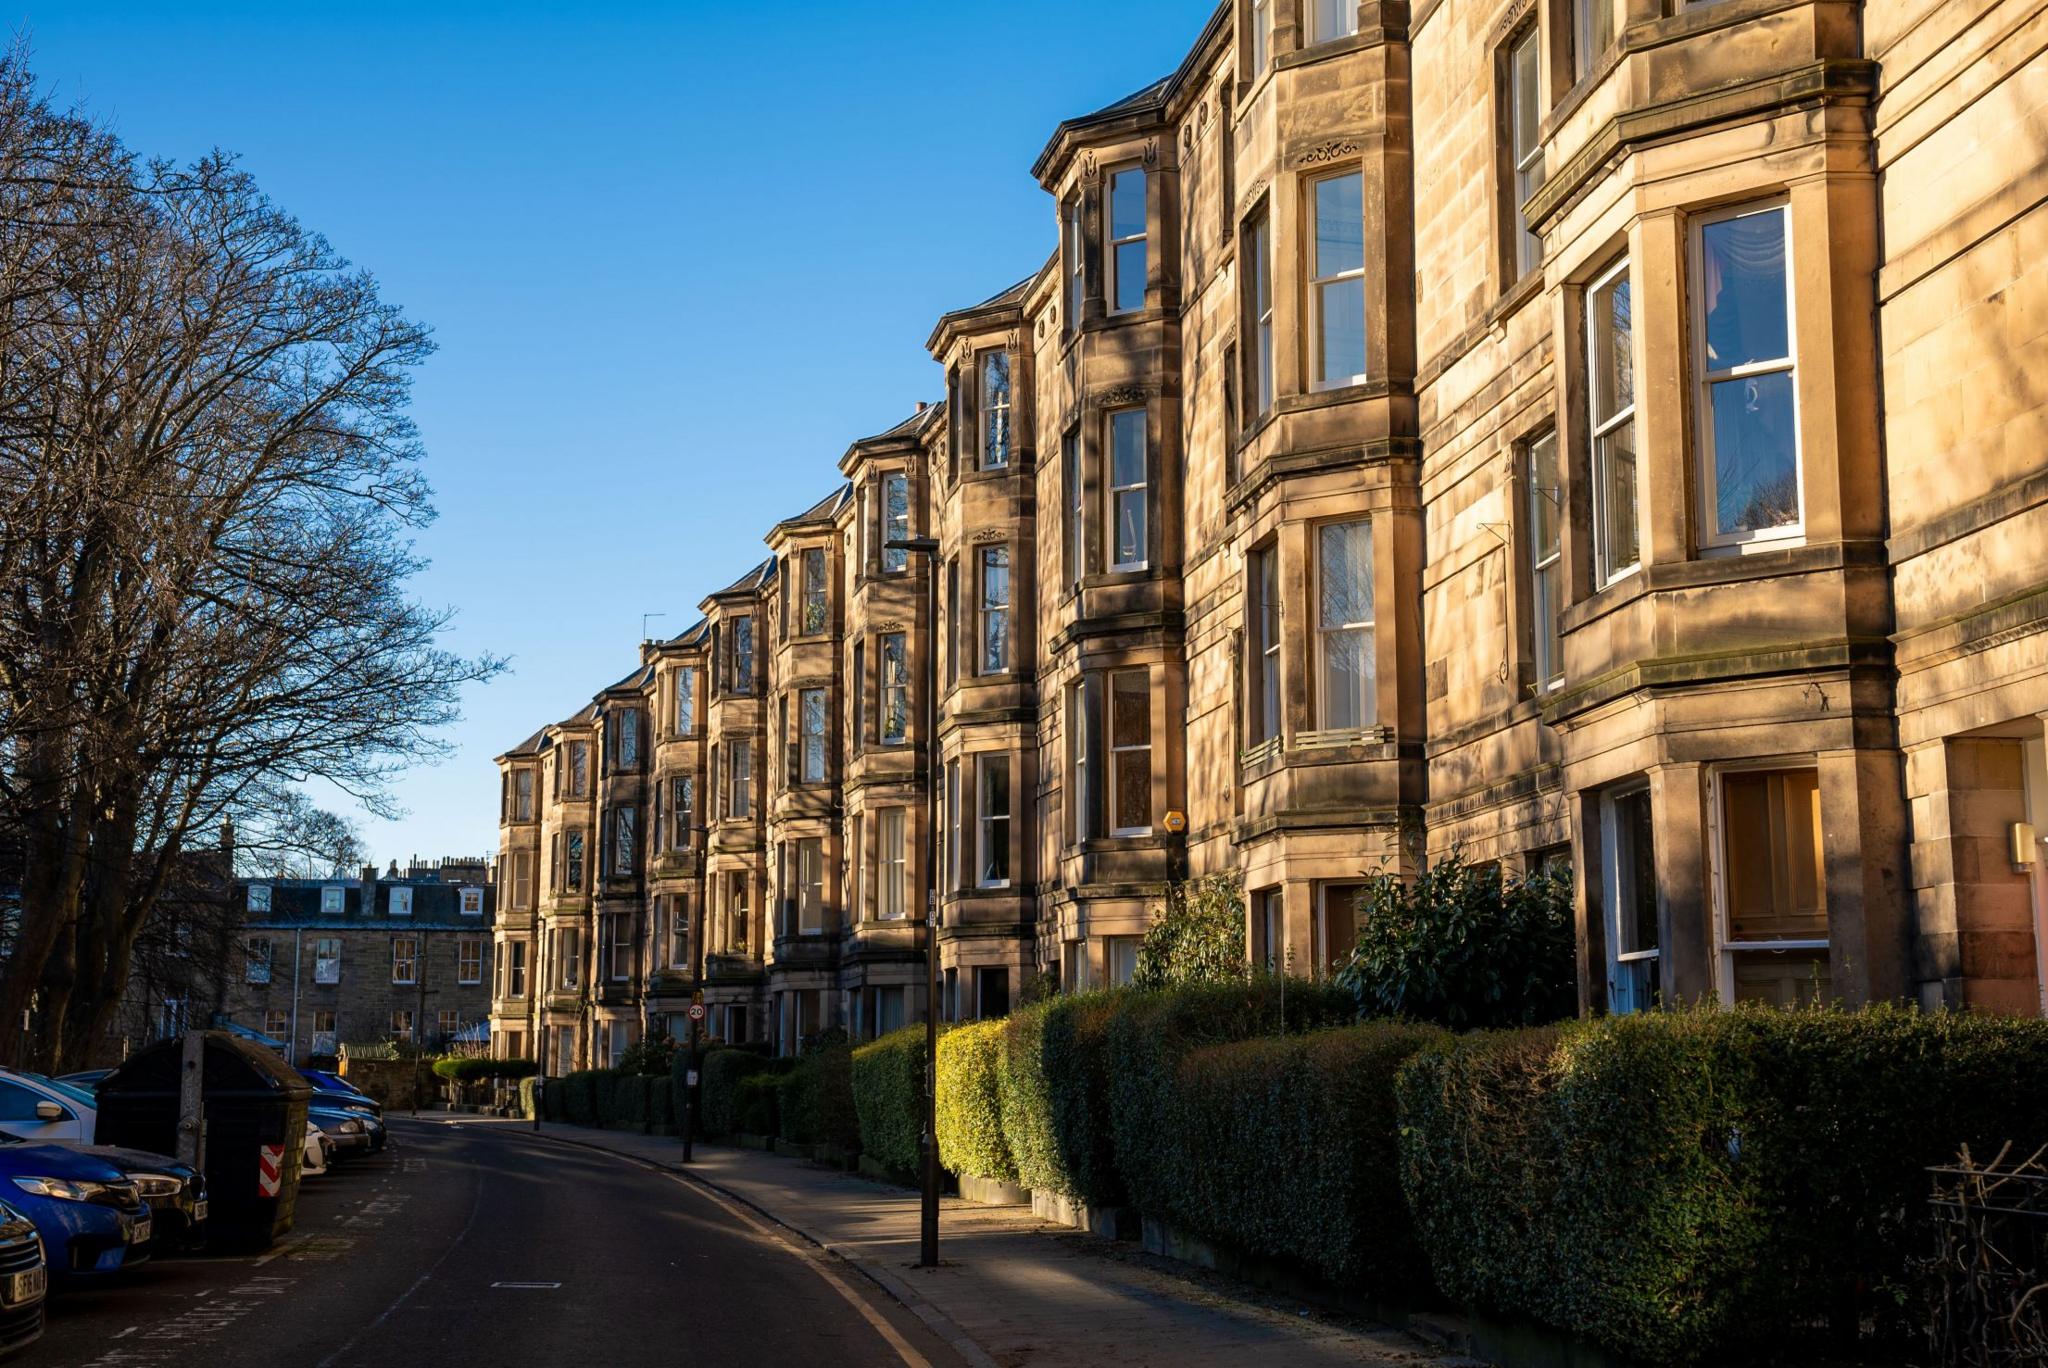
pixel 484 1245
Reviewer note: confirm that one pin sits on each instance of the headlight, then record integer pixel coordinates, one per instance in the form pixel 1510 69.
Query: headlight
pixel 351 1128
pixel 158 1184
pixel 62 1188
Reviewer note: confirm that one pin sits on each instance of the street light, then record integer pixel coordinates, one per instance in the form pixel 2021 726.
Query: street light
pixel 928 1223
pixel 702 836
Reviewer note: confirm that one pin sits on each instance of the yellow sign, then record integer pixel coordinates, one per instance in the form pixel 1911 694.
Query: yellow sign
pixel 1176 822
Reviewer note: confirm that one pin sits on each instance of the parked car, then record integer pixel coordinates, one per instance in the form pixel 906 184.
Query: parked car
pixel 91 1217
pixel 318 1152
pixel 24 1281
pixel 88 1079
pixel 349 1130
pixel 44 1111
pixel 332 1087
pixel 174 1191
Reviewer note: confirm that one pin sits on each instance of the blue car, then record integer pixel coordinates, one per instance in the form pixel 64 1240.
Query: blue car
pixel 91 1216
pixel 23 1281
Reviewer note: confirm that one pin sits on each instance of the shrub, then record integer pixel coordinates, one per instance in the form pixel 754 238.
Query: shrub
pixel 888 1098
pixel 579 1093
pixel 1462 947
pixel 754 1101
pixel 1287 1149
pixel 1198 937
pixel 816 1103
pixel 472 1069
pixel 1685 1185
pixel 629 1100
pixel 661 1109
pixel 718 1085
pixel 1148 1035
pixel 970 1106
pixel 529 1086
pixel 648 1057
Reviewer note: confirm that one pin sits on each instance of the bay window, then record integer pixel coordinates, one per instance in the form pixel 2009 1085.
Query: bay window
pixel 1629 875
pixel 522 795
pixel 683 811
pixel 739 773
pixel 625 822
pixel 1077 509
pixel 1128 510
pixel 994 820
pixel 1077 266
pixel 1610 339
pixel 815 617
pixel 1749 466
pixel 741 638
pixel 1261 26
pixel 1258 265
pixel 1592 33
pixel 995 410
pixel 1345 673
pixel 686 701
pixel 568 957
pixel 995 609
pixel 579 768
pixel 1127 247
pixel 1525 149
pixel 810 886
pixel 1262 662
pixel 572 861
pixel 621 946
pixel 1130 744
pixel 1337 281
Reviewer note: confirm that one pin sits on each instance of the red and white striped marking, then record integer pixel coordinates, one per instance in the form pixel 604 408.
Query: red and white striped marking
pixel 269 1169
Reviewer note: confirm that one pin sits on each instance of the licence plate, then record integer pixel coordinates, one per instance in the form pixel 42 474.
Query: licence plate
pixel 25 1287
pixel 138 1229
pixel 199 1210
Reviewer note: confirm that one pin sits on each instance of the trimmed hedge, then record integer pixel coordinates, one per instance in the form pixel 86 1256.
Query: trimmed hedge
pixel 1288 1149
pixel 718 1088
pixel 473 1069
pixel 528 1089
pixel 754 1103
pixel 1150 1033
pixel 1680 1186
pixel 970 1111
pixel 1056 1097
pixel 888 1079
pixel 816 1105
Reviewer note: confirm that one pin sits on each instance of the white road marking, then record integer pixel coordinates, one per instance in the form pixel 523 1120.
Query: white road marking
pixel 527 1286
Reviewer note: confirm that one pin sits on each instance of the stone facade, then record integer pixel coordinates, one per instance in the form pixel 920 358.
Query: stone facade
pixel 1592 432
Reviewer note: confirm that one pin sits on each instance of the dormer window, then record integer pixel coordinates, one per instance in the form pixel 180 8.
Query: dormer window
pixel 995 411
pixel 331 899
pixel 259 897
pixel 401 902
pixel 1330 19
pixel 1127 254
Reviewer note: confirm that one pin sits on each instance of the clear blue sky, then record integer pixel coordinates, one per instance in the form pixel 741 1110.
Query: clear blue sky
pixel 676 258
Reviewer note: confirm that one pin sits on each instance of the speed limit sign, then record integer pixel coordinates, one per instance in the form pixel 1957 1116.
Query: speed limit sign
pixel 696 1011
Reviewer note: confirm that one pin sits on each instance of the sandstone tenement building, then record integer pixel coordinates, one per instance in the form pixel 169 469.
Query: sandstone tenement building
pixel 1603 431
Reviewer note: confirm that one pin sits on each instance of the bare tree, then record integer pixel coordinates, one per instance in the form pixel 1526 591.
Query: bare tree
pixel 209 485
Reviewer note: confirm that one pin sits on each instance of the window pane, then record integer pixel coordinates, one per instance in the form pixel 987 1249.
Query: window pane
pixel 1340 226
pixel 1347 683
pixel 1334 19
pixel 1614 382
pixel 1133 790
pixel 1756 462
pixel 1131 709
pixel 1777 884
pixel 1346 574
pixel 1127 445
pixel 1340 340
pixel 1616 459
pixel 1744 290
pixel 1130 275
pixel 1527 116
pixel 895 520
pixel 1546 495
pixel 1127 204
pixel 995 410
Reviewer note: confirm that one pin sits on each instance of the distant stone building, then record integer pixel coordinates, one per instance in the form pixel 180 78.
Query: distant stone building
pixel 327 961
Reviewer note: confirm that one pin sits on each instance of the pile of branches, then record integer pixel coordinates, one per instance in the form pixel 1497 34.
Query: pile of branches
pixel 1992 1233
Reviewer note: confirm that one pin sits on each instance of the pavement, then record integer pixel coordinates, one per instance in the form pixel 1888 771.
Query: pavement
pixel 478 1245
pixel 1010 1289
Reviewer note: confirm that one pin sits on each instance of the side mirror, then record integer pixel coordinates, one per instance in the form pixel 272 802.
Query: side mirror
pixel 49 1111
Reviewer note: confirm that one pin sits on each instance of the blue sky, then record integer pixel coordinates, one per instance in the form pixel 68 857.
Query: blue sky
pixel 676 259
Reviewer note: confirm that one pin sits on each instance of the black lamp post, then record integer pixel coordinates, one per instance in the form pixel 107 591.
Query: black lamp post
pixel 928 1224
pixel 702 836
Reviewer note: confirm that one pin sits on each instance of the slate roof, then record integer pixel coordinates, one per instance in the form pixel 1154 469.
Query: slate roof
pixel 295 905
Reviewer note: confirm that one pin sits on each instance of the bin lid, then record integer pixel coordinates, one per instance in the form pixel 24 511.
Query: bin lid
pixel 235 1068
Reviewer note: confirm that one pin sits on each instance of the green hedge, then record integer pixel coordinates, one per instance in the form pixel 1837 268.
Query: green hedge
pixel 1054 1073
pixel 816 1105
pixel 580 1093
pixel 1680 1186
pixel 970 1111
pixel 754 1103
pixel 888 1097
pixel 718 1088
pixel 1288 1150
pixel 472 1069
pixel 1150 1033
pixel 529 1088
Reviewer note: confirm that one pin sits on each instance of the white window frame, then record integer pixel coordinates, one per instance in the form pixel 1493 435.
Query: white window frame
pixel 619 953
pixel 740 638
pixel 1141 490
pixel 895 693
pixel 1112 272
pixel 1259 274
pixel 1262 589
pixel 1545 566
pixel 811 744
pixel 739 780
pixel 1725 950
pixel 1077 267
pixel 892 853
pixel 472 902
pixel 817 592
pixel 895 526
pixel 522 795
pixel 398 1015
pixel 1346 15
pixel 810 886
pixel 1604 571
pixel 333 900
pixel 997 433
pixel 1077 508
pixel 1367 629
pixel 401 902
pixel 686 701
pixel 1615 881
pixel 1527 174
pixel 469 959
pixel 1261 36
pixel 994 827
pixel 327 968
pixel 409 959
pixel 256 968
pixel 1110 679
pixel 1704 381
pixel 259 898
pixel 995 612
pixel 683 810
pixel 1318 283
